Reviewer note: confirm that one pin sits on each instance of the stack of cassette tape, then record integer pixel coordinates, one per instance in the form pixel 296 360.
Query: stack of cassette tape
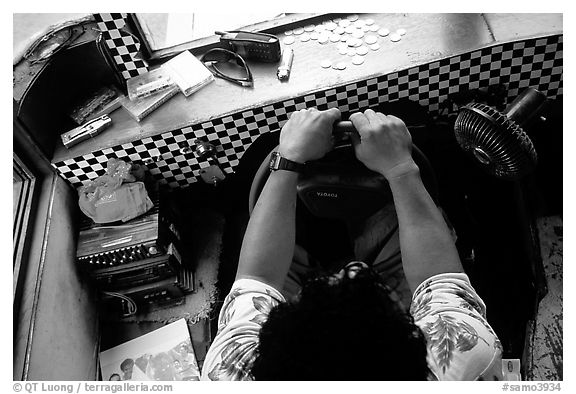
pixel 139 265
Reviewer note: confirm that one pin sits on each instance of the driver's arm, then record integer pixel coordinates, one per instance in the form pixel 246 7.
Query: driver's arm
pixel 268 245
pixel 384 145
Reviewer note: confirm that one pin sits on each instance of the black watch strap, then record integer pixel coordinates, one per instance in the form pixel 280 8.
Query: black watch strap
pixel 277 162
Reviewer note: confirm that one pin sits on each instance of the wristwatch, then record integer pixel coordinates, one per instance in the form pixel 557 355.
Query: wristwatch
pixel 277 162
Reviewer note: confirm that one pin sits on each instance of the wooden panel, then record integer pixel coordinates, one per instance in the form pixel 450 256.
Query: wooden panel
pixel 24 309
pixel 58 320
pixel 23 189
pixel 438 56
pixel 516 65
pixel 429 37
pixel 506 27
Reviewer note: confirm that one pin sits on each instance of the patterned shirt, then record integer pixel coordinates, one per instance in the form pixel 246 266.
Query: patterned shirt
pixel 461 344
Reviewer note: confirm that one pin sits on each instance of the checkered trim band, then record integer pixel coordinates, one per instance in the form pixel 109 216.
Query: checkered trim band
pixel 533 63
pixel 121 44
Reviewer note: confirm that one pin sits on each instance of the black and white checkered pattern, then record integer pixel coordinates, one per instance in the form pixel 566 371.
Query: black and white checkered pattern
pixel 122 45
pixel 533 63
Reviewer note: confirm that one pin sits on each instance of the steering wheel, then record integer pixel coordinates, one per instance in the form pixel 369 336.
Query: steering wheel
pixel 339 185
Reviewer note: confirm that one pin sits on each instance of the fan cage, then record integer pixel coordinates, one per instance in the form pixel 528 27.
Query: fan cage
pixel 506 150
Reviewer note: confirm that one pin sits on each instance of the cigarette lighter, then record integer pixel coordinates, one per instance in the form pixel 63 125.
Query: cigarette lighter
pixel 283 72
pixel 87 130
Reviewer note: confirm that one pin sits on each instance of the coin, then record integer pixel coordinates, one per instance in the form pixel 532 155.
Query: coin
pixel 362 50
pixel 339 66
pixel 320 28
pixel 358 33
pixel 330 26
pixel 335 37
pixel 383 32
pixel 336 20
pixel 401 31
pixel 344 23
pixel 314 35
pixel 339 30
pixel 289 40
pixel 326 63
pixel 323 38
pixel 343 50
pixel 351 52
pixel 371 39
pixel 349 29
pixel 352 18
pixel 298 31
pixel 288 32
pixel 374 28
pixel 309 28
pixel 359 23
pixel 305 37
pixel 374 47
pixel 353 42
pixel 357 60
pixel 369 21
pixel 394 37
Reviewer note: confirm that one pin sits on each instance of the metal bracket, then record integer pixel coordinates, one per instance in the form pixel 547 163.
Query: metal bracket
pixel 204 151
pixel 207 151
pixel 212 175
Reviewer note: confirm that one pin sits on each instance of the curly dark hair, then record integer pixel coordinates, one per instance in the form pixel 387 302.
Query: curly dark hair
pixel 341 329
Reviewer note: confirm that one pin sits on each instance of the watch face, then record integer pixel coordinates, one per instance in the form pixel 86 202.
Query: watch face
pixel 277 162
pixel 274 161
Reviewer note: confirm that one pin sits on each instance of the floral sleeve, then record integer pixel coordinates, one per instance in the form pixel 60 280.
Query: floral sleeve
pixel 461 343
pixel 231 354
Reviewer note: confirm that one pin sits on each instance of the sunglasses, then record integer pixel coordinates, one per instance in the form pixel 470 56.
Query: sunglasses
pixel 218 55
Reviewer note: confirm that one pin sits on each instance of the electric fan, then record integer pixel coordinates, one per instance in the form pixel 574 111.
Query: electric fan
pixel 497 141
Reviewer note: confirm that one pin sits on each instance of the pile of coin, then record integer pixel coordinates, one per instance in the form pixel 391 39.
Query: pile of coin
pixel 354 37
